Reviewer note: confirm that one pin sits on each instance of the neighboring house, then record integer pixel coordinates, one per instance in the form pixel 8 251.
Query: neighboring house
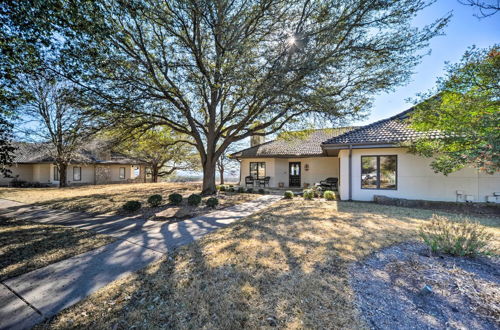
pixel 33 164
pixel 367 161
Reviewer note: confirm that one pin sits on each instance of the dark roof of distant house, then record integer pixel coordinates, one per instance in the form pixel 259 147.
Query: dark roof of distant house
pixel 395 129
pixel 41 153
pixel 296 144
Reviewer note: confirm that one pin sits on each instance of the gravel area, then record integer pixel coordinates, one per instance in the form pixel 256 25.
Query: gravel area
pixel 401 287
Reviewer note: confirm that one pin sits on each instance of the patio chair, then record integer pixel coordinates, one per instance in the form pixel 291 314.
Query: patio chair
pixel 265 181
pixel 329 183
pixel 249 180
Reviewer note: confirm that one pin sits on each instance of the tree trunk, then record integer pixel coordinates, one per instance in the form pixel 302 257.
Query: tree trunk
pixel 221 173
pixel 209 167
pixel 63 180
pixel 154 173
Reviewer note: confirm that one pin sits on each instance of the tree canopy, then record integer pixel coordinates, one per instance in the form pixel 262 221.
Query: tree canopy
pixel 213 69
pixel 466 112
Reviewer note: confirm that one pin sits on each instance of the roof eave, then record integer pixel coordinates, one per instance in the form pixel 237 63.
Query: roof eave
pixel 329 146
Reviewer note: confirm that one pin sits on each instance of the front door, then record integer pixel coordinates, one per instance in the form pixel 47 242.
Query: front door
pixel 294 174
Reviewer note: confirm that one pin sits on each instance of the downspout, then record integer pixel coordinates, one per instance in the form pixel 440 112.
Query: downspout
pixel 350 172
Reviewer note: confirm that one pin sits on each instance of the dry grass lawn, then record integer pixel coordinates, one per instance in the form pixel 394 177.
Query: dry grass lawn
pixel 286 267
pixel 25 246
pixel 99 199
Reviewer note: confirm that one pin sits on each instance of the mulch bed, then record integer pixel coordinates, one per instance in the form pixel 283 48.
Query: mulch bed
pixel 471 209
pixel 402 287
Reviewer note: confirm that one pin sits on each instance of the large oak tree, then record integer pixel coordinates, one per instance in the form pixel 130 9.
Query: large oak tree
pixel 220 71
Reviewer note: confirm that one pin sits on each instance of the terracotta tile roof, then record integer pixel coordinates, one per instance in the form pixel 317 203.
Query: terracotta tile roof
pixel 40 153
pixel 297 144
pixel 391 130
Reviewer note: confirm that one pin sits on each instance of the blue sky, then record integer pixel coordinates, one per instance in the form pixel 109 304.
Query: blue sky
pixel 464 30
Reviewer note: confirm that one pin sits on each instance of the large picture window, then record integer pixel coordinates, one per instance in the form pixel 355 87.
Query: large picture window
pixel 77 173
pixel 379 172
pixel 258 169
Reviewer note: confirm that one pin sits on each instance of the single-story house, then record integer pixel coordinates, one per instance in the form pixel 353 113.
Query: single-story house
pixel 33 163
pixel 367 161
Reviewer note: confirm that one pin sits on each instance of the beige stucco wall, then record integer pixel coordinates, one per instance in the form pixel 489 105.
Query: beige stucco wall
pixel 87 174
pixel 44 173
pixel 277 168
pixel 416 179
pixel 23 171
pixel 41 173
pixel 270 170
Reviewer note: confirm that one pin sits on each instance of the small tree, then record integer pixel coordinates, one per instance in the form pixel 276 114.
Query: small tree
pixel 465 113
pixel 164 151
pixel 49 116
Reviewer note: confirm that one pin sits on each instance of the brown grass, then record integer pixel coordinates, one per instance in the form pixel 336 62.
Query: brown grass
pixel 99 199
pixel 287 266
pixel 26 246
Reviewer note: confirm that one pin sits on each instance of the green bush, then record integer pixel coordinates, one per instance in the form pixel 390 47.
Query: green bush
pixel 262 191
pixel 194 200
pixel 212 202
pixel 222 187
pixel 230 189
pixel 288 194
pixel 462 238
pixel 250 190
pixel 132 206
pixel 154 200
pixel 329 195
pixel 241 190
pixel 175 198
pixel 308 194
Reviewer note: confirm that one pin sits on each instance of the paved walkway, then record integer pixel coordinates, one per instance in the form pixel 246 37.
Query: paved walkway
pixel 30 298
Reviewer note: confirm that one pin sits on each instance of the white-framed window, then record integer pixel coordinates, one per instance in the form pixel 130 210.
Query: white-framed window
pixel 77 173
pixel 56 173
pixel 122 173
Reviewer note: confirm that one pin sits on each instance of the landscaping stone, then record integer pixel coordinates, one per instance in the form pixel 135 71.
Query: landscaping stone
pixel 177 212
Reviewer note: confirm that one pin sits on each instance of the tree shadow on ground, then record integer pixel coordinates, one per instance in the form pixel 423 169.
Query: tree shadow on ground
pixel 287 266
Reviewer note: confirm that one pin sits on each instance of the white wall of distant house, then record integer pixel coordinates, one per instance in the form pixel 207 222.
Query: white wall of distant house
pixel 416 179
pixel 45 173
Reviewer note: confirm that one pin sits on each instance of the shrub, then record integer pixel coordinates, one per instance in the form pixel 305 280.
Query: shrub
pixel 288 194
pixel 462 238
pixel 175 198
pixel 222 187
pixel 230 189
pixel 262 191
pixel 308 194
pixel 249 190
pixel 212 202
pixel 154 200
pixel 241 190
pixel 132 206
pixel 194 200
pixel 329 195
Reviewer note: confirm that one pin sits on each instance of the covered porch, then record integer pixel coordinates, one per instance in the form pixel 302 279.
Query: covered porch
pixel 287 173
